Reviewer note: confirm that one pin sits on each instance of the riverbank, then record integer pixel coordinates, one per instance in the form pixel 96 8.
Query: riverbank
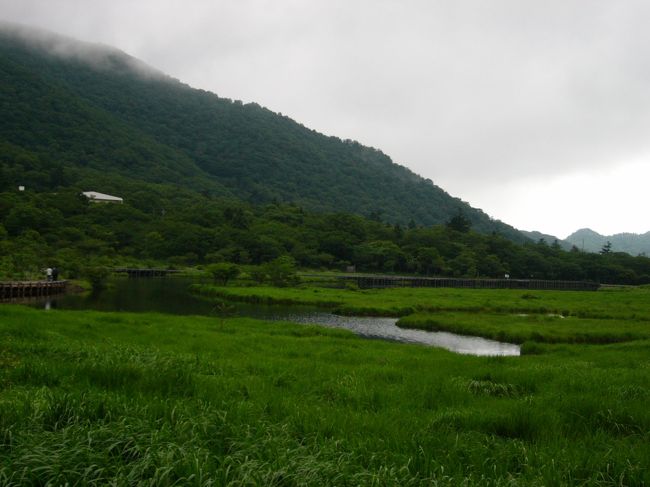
pixel 119 397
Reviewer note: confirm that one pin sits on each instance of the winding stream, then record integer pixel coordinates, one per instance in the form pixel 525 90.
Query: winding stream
pixel 171 296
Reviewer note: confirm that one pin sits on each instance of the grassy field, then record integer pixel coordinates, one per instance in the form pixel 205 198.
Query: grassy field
pixel 90 398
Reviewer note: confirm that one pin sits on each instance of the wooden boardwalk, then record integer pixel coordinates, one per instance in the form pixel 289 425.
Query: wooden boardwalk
pixel 378 281
pixel 133 272
pixel 29 289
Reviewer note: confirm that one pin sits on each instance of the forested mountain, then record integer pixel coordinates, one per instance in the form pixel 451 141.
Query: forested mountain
pixel 79 115
pixel 590 241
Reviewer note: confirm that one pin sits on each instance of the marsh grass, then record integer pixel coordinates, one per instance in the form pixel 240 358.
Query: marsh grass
pixel 628 304
pixel 92 398
pixel 528 317
pixel 521 328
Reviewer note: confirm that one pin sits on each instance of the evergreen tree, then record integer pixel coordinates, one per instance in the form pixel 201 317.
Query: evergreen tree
pixel 459 223
pixel 607 248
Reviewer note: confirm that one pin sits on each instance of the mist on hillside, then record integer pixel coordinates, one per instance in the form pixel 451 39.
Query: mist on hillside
pixel 99 56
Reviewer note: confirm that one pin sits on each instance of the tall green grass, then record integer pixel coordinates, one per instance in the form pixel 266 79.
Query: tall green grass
pixel 628 304
pixel 91 398
pixel 520 328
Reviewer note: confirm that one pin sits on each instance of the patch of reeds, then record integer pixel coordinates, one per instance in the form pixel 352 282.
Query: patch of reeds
pixel 530 328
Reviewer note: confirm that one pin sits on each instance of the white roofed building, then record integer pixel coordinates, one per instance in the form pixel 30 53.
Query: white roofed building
pixel 96 197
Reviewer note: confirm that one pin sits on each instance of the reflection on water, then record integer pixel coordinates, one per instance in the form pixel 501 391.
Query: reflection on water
pixel 170 295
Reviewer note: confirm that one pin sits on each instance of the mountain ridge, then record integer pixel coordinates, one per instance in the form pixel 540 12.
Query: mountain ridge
pixel 591 241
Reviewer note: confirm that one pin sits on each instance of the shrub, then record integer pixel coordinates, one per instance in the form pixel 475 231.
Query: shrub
pixel 282 271
pixel 97 275
pixel 223 272
pixel 257 274
pixel 351 286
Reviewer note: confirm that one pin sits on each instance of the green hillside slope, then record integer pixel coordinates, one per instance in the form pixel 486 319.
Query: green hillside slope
pixel 70 111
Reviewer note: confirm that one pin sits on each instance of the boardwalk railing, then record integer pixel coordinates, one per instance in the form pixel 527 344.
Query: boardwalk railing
pixel 406 281
pixel 29 289
pixel 133 272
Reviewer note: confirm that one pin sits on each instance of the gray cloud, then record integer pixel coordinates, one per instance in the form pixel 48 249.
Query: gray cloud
pixel 469 93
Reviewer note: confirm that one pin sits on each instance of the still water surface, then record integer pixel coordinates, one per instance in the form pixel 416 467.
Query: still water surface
pixel 171 295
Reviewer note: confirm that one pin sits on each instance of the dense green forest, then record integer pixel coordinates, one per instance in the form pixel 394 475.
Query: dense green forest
pixel 163 225
pixel 75 114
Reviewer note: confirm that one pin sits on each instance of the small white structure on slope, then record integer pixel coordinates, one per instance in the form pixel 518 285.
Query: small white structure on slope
pixel 96 197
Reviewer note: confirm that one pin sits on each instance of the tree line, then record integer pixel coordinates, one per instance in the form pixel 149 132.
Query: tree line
pixel 162 225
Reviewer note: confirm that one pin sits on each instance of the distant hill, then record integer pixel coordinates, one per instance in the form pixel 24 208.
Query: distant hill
pixel 549 239
pixel 75 114
pixel 631 243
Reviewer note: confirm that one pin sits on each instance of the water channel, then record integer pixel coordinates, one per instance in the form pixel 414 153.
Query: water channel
pixel 171 295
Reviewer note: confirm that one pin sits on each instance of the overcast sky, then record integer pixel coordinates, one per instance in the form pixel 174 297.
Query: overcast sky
pixel 536 112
